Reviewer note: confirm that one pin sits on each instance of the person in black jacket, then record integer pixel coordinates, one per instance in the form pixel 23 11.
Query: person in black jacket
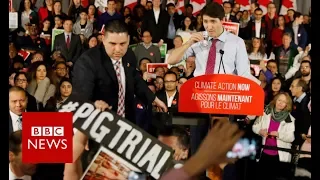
pixel 20 79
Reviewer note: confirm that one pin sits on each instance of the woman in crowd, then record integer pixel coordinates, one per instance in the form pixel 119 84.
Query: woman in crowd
pixel 83 25
pixel 46 11
pixel 275 87
pixel 199 24
pixel 27 15
pixel 93 16
pixel 92 42
pixel 40 86
pixel 276 127
pixel 187 26
pixel 257 50
pixel 277 32
pixel 57 9
pixel 62 94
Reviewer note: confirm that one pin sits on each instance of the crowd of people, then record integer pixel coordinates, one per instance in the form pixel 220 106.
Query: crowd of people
pixel 91 60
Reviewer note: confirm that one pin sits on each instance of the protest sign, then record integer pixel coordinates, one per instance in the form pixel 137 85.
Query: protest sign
pixel 108 165
pixel 163 49
pixel 124 140
pixel 255 64
pixel 152 66
pixel 24 54
pixel 55 32
pixel 13 20
pixel 231 27
pixel 221 94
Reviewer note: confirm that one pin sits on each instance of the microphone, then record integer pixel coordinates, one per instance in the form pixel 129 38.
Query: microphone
pixel 221 61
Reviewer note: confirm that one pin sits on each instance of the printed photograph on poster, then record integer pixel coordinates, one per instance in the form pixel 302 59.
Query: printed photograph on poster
pixel 232 27
pixel 106 166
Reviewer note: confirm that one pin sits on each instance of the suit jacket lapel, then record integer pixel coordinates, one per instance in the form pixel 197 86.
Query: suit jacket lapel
pixel 10 124
pixel 107 64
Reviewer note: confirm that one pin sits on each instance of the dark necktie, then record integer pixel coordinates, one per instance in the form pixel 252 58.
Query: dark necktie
pixel 211 58
pixel 68 41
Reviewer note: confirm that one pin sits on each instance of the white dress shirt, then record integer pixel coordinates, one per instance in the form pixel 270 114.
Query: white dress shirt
pixel 156 15
pixel 258 28
pixel 235 57
pixel 14 120
pixel 13 176
pixel 66 36
pixel 170 99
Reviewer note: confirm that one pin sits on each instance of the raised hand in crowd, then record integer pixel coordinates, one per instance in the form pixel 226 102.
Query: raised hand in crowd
pixel 219 140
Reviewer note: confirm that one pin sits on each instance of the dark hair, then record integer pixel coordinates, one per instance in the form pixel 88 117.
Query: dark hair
pixel 214 10
pixel 191 26
pixel 172 73
pixel 144 58
pixel 179 132
pixel 170 4
pixel 270 94
pixel 303 84
pixel 296 15
pixel 15 140
pixel 258 9
pixel 116 26
pixel 18 74
pixel 306 61
pixel 189 5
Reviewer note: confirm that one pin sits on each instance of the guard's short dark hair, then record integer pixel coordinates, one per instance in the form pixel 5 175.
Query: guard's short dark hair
pixel 214 10
pixel 15 140
pixel 179 132
pixel 116 26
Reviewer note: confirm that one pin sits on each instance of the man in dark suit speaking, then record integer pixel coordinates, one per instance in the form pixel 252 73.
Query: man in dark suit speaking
pixel 105 73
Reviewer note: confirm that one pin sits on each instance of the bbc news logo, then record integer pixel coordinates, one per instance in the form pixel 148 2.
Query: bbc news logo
pixel 47 137
pixel 47 143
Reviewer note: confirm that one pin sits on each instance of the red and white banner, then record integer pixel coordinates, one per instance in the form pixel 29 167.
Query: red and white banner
pixel 197 6
pixel 220 1
pixel 130 3
pixel 286 5
pixel 244 4
pixel 264 5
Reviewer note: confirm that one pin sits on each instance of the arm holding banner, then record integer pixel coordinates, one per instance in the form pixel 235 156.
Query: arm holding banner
pixel 242 63
pixel 73 171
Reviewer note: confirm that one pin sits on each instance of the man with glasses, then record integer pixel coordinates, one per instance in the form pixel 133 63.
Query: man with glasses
pixel 170 94
pixel 20 80
pixel 147 50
